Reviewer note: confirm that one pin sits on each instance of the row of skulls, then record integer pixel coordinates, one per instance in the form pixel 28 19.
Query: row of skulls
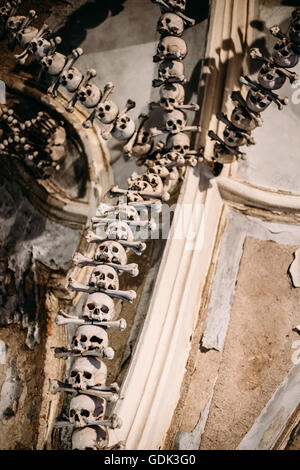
pixel 246 115
pixel 116 229
pixel 40 142
pixel 114 224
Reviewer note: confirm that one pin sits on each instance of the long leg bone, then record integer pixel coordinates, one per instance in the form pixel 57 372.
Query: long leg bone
pixel 65 319
pixel 129 295
pixel 63 353
pixel 133 223
pixel 164 195
pixel 82 261
pixel 113 422
pixel 137 247
pixel 110 393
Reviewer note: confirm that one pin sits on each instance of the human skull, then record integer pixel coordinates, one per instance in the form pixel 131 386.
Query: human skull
pixel 175 121
pixel 90 438
pixel 89 95
pixel 111 252
pixel 284 55
pixel 159 170
pixel 71 79
pixel 25 36
pixel 222 155
pixel 124 127
pixel 143 143
pixel 179 143
pixel 270 78
pixel 171 47
pixel 242 120
pixel 104 277
pixel 14 23
pixel 40 47
pixel 99 307
pixel 119 231
pixel 257 101
pixel 171 69
pixel 54 63
pixel 170 24
pixel 171 95
pixel 91 338
pixel 139 185
pixel 178 4
pixel 108 112
pixel 87 372
pixel 233 138
pixel 294 30
pixel 154 180
pixel 85 409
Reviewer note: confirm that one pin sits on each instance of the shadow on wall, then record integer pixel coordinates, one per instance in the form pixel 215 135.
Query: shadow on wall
pixel 88 16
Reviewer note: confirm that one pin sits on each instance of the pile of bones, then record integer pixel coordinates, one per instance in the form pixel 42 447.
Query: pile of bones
pixel 114 224
pixel 246 115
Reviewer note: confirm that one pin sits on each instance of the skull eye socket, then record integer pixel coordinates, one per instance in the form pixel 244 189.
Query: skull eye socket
pixel 179 122
pixel 164 71
pixel 107 107
pixel 123 126
pixel 72 412
pixel 49 61
pixel 170 123
pixel 186 147
pixel 94 339
pixel 172 100
pixel 40 43
pixel 91 306
pixel 97 273
pixel 163 100
pixel 104 309
pixel 160 47
pixel 110 276
pixel 70 76
pixel 115 249
pixel 83 338
pixel 226 133
pixel 87 375
pixel 85 413
pixel 73 373
pixel 269 76
pixel 168 21
pixel 89 92
pixel 285 53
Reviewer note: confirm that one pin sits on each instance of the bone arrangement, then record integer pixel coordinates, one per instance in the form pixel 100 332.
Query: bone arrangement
pixel 246 115
pixel 114 224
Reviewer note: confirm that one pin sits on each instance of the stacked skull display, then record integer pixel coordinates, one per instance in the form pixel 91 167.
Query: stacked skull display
pixel 271 76
pixel 115 224
pixel 39 143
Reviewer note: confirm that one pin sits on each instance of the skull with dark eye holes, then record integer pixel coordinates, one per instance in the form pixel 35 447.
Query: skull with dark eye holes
pixel 170 24
pixel 85 409
pixel 104 277
pixel 90 438
pixel 257 101
pixel 87 372
pixel 270 77
pixel 99 307
pixel 111 252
